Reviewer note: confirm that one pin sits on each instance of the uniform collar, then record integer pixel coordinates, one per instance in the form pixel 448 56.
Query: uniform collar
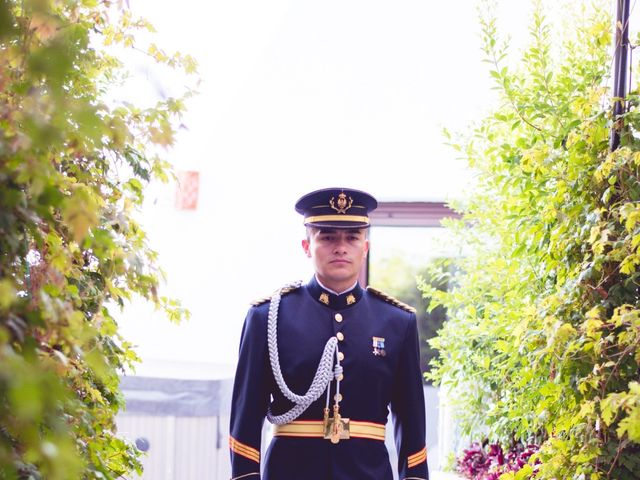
pixel 330 299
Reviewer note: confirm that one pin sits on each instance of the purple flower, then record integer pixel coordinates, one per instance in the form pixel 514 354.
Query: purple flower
pixel 483 461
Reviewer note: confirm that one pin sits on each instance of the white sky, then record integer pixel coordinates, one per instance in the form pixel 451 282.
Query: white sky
pixel 298 95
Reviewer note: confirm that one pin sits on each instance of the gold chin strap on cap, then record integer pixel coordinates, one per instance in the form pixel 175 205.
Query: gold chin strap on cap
pixel 337 218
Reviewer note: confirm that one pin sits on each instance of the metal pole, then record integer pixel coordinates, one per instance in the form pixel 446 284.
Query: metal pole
pixel 620 71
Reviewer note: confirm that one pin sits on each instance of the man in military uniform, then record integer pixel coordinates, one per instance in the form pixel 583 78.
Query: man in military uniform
pixel 325 362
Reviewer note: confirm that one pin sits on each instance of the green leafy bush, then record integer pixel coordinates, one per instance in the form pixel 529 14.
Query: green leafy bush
pixel 73 165
pixel 543 338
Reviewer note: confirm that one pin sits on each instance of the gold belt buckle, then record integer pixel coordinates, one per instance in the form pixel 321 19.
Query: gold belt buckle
pixel 337 431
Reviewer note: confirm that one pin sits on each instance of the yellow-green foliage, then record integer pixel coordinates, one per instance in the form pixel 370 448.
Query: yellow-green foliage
pixel 72 171
pixel 543 341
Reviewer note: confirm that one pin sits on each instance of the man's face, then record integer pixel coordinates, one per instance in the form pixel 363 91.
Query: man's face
pixel 337 255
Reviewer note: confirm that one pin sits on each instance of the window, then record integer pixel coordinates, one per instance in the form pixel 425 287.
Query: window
pixel 407 238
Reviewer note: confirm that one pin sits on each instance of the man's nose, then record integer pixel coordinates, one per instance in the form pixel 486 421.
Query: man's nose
pixel 340 245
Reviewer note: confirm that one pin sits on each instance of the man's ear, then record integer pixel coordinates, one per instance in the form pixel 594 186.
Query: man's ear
pixel 305 247
pixel 366 248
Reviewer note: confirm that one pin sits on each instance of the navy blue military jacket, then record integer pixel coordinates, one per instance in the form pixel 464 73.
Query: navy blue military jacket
pixel 379 340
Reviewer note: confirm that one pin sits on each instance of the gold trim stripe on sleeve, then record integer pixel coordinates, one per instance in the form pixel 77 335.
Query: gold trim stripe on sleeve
pixel 337 218
pixel 315 429
pixel 245 454
pixel 417 458
pixel 418 453
pixel 244 450
pixel 417 461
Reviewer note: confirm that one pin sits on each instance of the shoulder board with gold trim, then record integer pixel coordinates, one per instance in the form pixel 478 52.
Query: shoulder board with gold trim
pixel 285 290
pixel 391 300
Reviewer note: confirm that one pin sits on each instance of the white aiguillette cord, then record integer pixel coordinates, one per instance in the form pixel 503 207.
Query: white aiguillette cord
pixel 324 374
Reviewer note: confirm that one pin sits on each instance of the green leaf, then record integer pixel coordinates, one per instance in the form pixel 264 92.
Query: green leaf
pixel 8 294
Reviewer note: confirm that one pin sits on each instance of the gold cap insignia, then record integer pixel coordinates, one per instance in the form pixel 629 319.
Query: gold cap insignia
pixel 344 203
pixel 324 298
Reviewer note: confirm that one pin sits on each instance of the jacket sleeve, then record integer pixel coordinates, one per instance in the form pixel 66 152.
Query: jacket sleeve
pixel 250 398
pixel 408 410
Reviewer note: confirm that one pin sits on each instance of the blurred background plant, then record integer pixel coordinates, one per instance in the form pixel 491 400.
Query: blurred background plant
pixel 74 162
pixel 542 343
pixel 397 275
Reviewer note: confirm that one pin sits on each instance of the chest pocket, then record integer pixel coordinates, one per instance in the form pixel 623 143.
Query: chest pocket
pixel 371 359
